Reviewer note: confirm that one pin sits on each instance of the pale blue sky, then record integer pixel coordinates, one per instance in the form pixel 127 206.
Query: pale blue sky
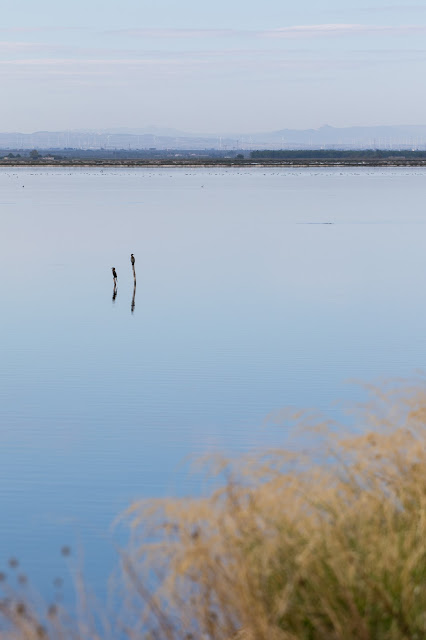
pixel 217 67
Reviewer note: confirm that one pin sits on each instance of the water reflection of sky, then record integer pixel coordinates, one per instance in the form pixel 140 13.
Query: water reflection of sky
pixel 246 302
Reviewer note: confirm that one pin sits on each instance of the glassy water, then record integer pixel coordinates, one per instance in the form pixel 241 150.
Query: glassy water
pixel 256 289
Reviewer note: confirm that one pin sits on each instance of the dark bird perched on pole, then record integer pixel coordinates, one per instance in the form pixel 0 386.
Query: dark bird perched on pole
pixel 114 273
pixel 132 260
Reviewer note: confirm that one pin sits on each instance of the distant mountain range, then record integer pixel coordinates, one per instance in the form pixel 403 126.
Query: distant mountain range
pixel 384 137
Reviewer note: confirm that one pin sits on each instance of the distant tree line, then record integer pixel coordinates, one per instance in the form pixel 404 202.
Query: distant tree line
pixel 124 154
pixel 326 154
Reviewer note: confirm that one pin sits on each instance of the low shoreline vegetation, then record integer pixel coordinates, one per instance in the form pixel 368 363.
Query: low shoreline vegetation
pixel 325 544
pixel 215 158
pixel 336 154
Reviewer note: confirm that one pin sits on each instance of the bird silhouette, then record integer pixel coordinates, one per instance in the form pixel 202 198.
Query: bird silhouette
pixel 114 273
pixel 132 259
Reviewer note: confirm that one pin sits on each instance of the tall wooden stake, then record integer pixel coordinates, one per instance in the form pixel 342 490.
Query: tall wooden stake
pixel 132 260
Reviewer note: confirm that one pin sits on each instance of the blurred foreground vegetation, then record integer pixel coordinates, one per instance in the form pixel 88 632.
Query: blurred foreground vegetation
pixel 328 544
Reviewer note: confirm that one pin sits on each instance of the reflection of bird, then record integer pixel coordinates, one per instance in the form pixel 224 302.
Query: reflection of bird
pixel 114 273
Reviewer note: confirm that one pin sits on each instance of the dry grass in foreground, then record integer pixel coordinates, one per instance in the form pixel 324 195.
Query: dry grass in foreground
pixel 330 546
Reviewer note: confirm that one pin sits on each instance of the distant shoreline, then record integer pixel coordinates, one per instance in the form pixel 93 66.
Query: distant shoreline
pixel 222 163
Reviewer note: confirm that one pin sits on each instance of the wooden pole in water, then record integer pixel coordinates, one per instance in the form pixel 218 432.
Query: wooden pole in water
pixel 114 279
pixel 132 260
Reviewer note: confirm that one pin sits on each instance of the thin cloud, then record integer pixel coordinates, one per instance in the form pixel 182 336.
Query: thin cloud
pixel 60 50
pixel 291 32
pixel 177 33
pixel 26 55
pixel 190 62
pixel 392 7
pixel 20 49
pixel 38 29
pixel 332 30
pixel 75 52
pixel 33 47
pixel 66 62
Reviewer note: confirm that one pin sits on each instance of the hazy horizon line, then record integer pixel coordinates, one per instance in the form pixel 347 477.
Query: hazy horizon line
pixel 173 131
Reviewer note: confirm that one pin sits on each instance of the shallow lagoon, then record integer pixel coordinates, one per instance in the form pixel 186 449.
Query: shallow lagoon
pixel 257 289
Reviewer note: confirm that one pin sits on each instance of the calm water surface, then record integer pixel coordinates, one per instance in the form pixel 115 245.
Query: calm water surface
pixel 257 289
